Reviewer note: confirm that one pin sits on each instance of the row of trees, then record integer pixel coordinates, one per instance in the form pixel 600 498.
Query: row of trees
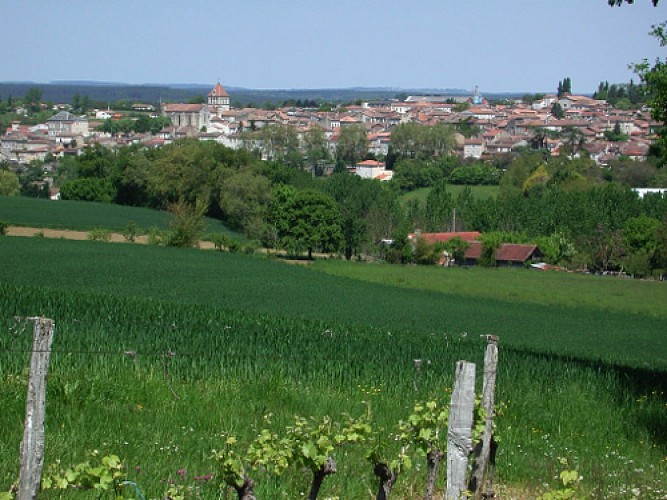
pixel 284 207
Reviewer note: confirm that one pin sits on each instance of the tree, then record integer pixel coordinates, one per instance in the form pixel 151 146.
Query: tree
pixel 457 248
pixel 187 223
pixel 632 173
pixel 519 170
pixel 655 79
pixel 9 184
pixel 422 142
pixel 557 110
pixel 641 235
pixel 439 205
pixel 574 139
pixel 32 99
pixel 281 143
pixel 88 189
pixel 244 200
pixel 352 144
pixel 315 145
pixel 564 87
pixel 306 220
pixel 615 135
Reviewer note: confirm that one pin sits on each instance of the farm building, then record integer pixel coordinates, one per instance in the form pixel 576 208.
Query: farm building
pixel 432 238
pixel 507 254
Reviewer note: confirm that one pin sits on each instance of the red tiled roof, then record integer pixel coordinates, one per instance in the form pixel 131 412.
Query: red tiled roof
pixel 515 253
pixel 218 91
pixel 370 163
pixel 507 252
pixel 183 108
pixel 431 238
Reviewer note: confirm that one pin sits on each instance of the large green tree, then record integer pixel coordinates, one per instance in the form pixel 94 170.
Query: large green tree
pixel 244 200
pixel 9 183
pixel 422 142
pixel 306 220
pixel 439 206
pixel 315 145
pixel 352 144
pixel 281 143
pixel 654 77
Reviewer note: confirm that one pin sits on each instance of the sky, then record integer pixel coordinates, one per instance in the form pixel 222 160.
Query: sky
pixel 498 45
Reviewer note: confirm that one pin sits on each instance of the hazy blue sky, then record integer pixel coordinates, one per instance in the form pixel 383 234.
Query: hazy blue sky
pixel 500 45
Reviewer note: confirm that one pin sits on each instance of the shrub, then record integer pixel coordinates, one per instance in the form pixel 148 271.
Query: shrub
pixel 155 236
pixel 220 241
pixel 4 225
pixel 131 231
pixel 99 235
pixel 187 224
pixel 249 247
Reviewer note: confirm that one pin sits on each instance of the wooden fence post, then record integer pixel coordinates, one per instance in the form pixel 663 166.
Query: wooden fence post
pixel 481 483
pixel 32 446
pixel 459 435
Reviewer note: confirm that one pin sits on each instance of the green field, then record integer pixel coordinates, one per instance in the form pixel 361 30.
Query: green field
pixel 84 216
pixel 580 379
pixel 559 289
pixel 479 192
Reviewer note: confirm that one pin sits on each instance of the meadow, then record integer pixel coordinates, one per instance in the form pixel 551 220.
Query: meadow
pixel 256 341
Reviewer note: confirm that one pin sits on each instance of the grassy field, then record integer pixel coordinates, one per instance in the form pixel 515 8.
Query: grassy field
pixel 479 192
pixel 581 380
pixel 84 216
pixel 559 289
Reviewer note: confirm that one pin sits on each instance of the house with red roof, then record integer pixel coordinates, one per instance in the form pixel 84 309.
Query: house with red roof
pixel 506 255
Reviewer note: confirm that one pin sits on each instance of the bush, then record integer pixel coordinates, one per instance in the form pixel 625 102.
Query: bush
pixel 155 236
pixel 220 241
pixel 131 231
pixel 187 224
pixel 249 247
pixel 424 253
pixel 4 225
pixel 99 235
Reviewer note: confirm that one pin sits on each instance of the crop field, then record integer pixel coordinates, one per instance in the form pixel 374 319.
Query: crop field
pixel 84 216
pixel 254 342
pixel 606 293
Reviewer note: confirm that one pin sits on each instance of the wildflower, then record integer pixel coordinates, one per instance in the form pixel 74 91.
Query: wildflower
pixel 181 472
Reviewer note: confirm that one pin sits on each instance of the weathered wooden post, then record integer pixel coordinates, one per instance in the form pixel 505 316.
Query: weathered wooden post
pixel 32 446
pixel 459 436
pixel 481 482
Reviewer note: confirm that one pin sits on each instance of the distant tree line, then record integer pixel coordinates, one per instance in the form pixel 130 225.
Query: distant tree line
pixel 580 214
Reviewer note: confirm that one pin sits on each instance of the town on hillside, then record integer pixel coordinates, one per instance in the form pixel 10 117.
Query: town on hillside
pixel 562 123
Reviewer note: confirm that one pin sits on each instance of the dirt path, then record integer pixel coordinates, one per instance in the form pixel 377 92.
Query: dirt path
pixel 82 235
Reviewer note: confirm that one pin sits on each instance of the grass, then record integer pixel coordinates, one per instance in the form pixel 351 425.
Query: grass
pixel 515 285
pixel 84 216
pixel 236 282
pixel 257 338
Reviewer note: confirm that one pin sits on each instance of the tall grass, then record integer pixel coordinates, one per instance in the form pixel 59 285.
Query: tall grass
pixel 255 342
pixel 266 287
pixel 230 370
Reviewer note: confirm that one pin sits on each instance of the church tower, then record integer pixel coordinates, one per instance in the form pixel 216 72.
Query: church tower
pixel 218 98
